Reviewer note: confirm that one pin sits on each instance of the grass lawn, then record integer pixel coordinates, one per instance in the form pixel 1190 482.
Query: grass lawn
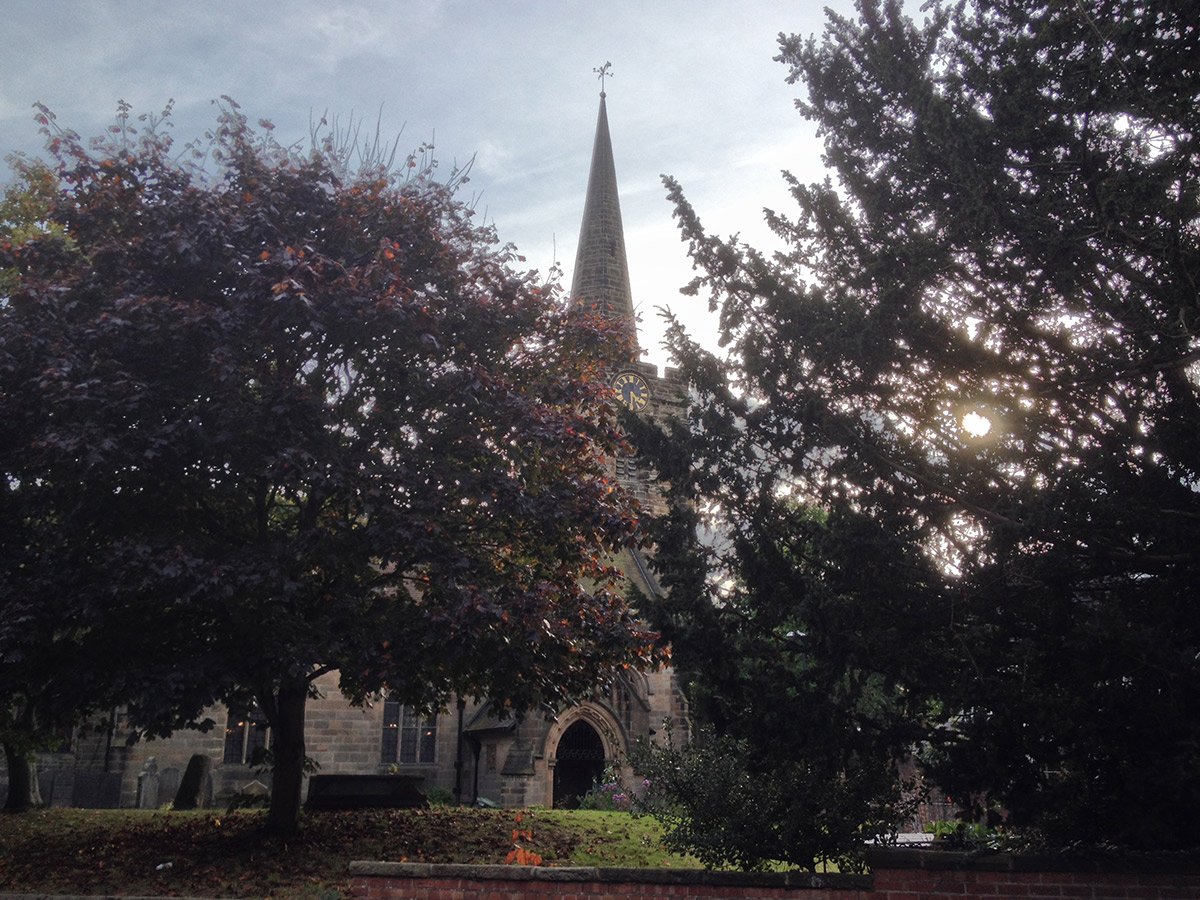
pixel 211 854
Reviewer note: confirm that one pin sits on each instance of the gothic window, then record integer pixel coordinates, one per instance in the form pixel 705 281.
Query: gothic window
pixel 407 737
pixel 490 758
pixel 247 735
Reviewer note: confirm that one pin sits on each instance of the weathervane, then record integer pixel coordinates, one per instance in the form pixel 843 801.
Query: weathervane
pixel 602 73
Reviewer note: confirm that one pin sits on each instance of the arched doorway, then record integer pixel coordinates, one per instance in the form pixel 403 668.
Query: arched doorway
pixel 579 763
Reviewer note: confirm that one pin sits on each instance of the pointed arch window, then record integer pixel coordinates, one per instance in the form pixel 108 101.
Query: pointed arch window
pixel 408 738
pixel 247 735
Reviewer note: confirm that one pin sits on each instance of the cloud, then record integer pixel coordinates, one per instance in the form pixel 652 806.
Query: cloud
pixel 493 159
pixel 695 94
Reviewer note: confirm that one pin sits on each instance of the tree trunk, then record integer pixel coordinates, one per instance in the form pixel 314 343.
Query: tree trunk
pixel 287 779
pixel 22 779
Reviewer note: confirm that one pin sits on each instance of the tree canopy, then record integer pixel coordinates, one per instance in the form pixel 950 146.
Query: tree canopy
pixel 293 418
pixel 951 449
pixel 45 682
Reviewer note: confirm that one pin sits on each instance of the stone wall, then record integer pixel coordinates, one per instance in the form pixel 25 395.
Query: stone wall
pixel 378 881
pixel 105 769
pixel 896 875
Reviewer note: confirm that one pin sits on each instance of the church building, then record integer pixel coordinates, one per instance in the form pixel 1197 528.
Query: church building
pixel 466 752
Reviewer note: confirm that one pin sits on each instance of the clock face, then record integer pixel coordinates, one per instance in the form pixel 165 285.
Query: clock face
pixel 632 390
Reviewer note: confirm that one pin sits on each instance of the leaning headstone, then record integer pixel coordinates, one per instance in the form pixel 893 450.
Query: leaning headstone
pixel 195 778
pixel 148 785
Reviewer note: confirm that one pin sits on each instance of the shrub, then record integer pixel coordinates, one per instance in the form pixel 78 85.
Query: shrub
pixel 718 803
pixel 439 796
pixel 608 793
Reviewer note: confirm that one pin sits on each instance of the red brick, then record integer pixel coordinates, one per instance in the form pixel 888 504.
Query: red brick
pixel 1077 890
pixel 898 879
pixel 1017 888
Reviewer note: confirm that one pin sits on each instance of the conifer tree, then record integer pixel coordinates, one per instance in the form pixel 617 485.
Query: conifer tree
pixel 952 451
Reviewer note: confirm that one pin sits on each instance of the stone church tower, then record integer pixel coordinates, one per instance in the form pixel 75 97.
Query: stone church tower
pixel 466 752
pixel 554 761
pixel 601 282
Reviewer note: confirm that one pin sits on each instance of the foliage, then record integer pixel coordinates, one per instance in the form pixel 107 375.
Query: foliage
pixel 288 419
pixel 717 806
pixel 521 854
pixel 44 687
pixel 24 210
pixel 1013 235
pixel 959 835
pixel 779 658
pixel 240 800
pixel 608 793
pixel 439 796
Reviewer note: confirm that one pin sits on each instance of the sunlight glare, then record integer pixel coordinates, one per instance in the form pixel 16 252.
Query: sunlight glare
pixel 976 425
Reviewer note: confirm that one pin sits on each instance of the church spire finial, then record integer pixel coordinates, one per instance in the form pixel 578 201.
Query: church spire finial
pixel 603 72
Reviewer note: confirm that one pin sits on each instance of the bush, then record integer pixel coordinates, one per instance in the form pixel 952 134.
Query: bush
pixel 440 796
pixel 608 794
pixel 727 808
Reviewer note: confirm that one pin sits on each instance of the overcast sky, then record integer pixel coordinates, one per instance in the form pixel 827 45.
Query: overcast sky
pixel 695 94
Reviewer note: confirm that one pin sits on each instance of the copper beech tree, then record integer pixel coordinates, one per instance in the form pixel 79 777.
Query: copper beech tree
pixel 306 419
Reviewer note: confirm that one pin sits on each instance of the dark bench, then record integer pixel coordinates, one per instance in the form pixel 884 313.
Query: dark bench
pixel 365 792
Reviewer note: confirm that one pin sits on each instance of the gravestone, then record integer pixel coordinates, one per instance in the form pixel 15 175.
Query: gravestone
pixel 195 779
pixel 168 784
pixel 148 784
pixel 96 790
pixel 365 792
pixel 255 789
pixel 249 796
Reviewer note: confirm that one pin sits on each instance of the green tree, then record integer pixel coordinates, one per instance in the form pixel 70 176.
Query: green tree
pixel 292 419
pixel 24 207
pixel 42 690
pixel 1012 241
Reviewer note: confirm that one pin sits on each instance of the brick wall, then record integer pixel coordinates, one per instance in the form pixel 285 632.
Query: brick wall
pixel 896 875
pixel 898 884
pixel 909 874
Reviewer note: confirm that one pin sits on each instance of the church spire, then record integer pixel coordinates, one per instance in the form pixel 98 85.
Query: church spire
pixel 601 277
